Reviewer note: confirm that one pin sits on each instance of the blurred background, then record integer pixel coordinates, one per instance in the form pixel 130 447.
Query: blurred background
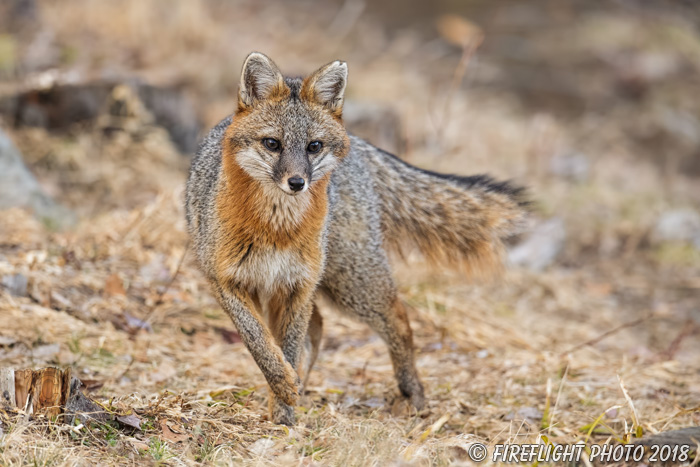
pixel 590 103
pixel 593 105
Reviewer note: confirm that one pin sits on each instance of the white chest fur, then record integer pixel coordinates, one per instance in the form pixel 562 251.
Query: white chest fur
pixel 268 271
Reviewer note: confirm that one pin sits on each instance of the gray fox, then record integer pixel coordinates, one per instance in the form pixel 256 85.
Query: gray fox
pixel 283 205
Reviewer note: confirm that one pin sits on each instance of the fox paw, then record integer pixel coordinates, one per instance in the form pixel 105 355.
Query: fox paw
pixel 288 388
pixel 282 413
pixel 418 401
pixel 413 390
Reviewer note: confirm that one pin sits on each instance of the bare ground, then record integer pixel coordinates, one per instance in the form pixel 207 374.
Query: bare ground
pixel 534 353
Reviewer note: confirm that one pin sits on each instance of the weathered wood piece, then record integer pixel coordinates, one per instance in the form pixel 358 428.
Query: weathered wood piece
pixel 7 387
pixel 47 391
pixel 684 437
pixel 23 382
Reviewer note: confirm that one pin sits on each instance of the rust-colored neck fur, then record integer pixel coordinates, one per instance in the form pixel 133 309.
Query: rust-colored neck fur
pixel 246 210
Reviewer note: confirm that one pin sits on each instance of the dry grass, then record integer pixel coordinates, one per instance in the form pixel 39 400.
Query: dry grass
pixel 501 362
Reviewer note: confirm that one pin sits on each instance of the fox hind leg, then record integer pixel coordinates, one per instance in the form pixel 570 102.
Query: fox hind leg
pixel 399 331
pixel 311 345
pixel 366 291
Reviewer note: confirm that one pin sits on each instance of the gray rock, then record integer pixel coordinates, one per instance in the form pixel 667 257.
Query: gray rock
pixel 16 284
pixel 81 407
pixel 19 188
pixel 679 225
pixel 541 246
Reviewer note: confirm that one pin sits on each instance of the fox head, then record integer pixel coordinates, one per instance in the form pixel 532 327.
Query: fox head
pixel 288 132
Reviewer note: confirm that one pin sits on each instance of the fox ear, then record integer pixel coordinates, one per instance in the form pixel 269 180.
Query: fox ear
pixel 259 79
pixel 327 86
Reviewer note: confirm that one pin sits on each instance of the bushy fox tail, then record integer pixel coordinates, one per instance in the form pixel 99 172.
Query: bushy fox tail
pixel 456 221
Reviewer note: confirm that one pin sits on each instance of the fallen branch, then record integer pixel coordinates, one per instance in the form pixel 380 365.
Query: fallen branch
pixel 609 333
pixel 689 329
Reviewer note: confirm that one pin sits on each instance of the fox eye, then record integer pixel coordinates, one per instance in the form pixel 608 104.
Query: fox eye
pixel 314 147
pixel 271 143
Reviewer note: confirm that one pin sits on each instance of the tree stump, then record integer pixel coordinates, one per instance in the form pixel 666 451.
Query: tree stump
pixel 49 391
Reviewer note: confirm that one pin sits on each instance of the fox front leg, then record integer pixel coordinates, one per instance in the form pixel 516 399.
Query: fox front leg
pixel 280 374
pixel 289 322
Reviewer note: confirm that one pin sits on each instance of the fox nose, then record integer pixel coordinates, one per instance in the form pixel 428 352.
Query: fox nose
pixel 296 183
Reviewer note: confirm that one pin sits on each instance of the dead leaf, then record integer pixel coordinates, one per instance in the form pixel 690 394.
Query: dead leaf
pixel 131 420
pixel 114 285
pixel 170 434
pixel 92 384
pixel 176 428
pixel 139 445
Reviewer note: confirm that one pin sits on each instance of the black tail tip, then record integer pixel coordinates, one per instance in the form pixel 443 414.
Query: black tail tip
pixel 519 194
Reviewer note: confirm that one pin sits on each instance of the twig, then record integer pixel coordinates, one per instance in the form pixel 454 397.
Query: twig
pixel 159 300
pixel 689 328
pixel 610 332
pixel 556 402
pixel 635 415
pixel 680 412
